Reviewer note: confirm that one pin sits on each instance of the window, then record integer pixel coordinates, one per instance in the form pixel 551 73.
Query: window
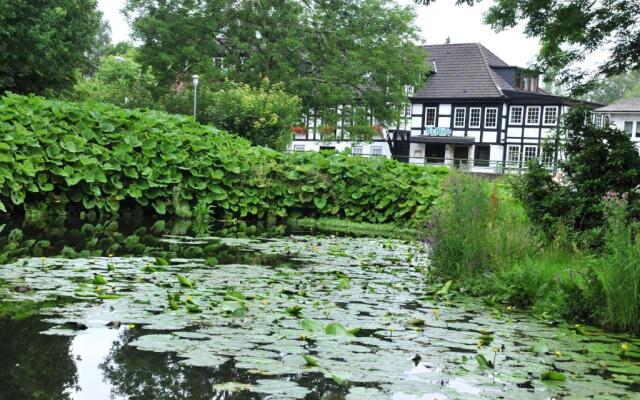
pixel 407 111
pixel 597 120
pixel 376 151
pixel 481 156
pixel 628 127
pixel 474 117
pixel 637 128
pixel 298 147
pixel 513 154
pixel 218 62
pixel 356 150
pixel 550 115
pixel 459 118
pixel 417 153
pixel 490 117
pixel 515 118
pixel 408 89
pixel 430 116
pixel 533 115
pixel 530 152
pixel 547 156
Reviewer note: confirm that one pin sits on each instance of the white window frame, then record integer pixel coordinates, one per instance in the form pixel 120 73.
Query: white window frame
pixel 624 128
pixel 471 110
pixel 486 114
pixel 298 147
pixel 512 121
pixel 509 160
pixel 408 110
pixel 529 108
pixel 408 90
pixel 597 119
pixel 544 116
pixel 376 150
pixel 356 150
pixel 435 115
pixel 525 157
pixel 637 134
pixel 455 117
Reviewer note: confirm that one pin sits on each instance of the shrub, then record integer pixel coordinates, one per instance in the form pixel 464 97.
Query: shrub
pixel 262 115
pixel 89 156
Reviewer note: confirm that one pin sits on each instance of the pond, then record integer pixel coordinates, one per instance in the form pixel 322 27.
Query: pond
pixel 150 310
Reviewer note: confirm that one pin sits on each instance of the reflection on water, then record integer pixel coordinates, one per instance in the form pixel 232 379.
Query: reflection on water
pixel 89 349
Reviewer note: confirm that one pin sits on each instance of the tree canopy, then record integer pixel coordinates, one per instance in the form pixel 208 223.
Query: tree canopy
pixel 571 30
pixel 328 53
pixel 42 44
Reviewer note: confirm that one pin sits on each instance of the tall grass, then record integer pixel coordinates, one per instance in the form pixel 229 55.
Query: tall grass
pixel 476 228
pixel 618 269
pixel 482 239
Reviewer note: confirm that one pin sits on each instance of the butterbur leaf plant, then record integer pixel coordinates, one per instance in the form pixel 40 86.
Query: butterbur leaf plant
pixel 81 157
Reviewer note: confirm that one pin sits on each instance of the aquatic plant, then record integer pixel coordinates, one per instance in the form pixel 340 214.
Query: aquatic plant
pixel 79 157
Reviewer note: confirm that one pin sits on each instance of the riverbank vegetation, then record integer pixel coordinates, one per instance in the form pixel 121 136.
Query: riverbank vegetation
pixel 63 157
pixel 567 251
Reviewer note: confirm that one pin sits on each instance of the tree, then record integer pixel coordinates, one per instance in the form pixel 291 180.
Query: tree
pixel 609 89
pixel 263 115
pixel 328 53
pixel 571 30
pixel 42 44
pixel 118 80
pixel 101 47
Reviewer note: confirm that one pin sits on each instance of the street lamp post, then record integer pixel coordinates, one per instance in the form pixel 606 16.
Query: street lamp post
pixel 196 79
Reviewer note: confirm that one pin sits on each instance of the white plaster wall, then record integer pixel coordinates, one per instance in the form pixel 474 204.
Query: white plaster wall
pixel 444 122
pixel 489 136
pixel 412 150
pixel 514 132
pixel 548 132
pixel 416 122
pixel 531 132
pixel 457 133
pixel 475 135
pixel 416 108
pixel 495 153
pixel 445 109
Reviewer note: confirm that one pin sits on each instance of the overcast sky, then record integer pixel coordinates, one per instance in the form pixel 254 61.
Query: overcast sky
pixel 443 19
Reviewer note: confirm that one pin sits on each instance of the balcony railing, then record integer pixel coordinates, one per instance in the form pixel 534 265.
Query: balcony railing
pixel 475 166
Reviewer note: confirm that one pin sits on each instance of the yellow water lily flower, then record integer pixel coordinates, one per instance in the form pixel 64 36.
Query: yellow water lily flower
pixel 624 347
pixel 558 354
pixel 131 326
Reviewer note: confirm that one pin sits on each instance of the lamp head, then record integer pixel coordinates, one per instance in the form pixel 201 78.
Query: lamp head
pixel 196 79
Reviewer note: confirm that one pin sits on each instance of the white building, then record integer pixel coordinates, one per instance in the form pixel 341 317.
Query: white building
pixel 623 114
pixel 474 110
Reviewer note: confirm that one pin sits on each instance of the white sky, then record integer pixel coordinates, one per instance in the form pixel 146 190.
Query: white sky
pixel 438 21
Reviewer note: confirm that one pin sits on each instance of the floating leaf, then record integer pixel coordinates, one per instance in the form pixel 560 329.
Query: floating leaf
pixel 99 280
pixel 184 281
pixel 335 329
pixel 312 362
pixel 444 290
pixel 553 376
pixel 483 362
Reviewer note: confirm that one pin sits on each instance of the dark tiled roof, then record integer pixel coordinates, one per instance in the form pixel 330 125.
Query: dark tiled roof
pixel 464 71
pixel 627 105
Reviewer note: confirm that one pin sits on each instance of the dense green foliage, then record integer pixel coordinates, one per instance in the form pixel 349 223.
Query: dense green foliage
pixel 42 44
pixel 597 161
pixel 73 156
pixel 327 53
pixel 118 80
pixel 263 115
pixel 569 31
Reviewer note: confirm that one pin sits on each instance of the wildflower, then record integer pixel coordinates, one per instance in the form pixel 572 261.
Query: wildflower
pixel 624 347
pixel 496 349
pixel 265 302
pixel 303 337
pixel 189 299
pixel 131 326
pixel 558 354
pixel 110 255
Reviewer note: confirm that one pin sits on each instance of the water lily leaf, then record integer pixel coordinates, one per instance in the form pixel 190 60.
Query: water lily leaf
pixel 444 290
pixel 311 362
pixel 184 281
pixel 99 280
pixel 415 322
pixel 553 376
pixel 234 295
pixel 310 325
pixel 540 348
pixel 335 329
pixel 483 362
pixel 162 261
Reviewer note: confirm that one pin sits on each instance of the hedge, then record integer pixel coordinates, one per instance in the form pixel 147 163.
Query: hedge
pixel 72 157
